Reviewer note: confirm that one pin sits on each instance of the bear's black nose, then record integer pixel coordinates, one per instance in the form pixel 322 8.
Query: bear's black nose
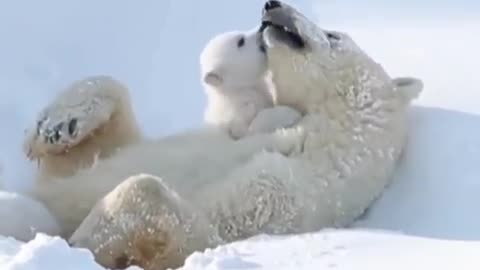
pixel 272 5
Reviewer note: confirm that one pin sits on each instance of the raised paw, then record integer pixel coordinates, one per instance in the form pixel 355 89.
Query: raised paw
pixel 78 113
pixel 51 136
pixel 142 222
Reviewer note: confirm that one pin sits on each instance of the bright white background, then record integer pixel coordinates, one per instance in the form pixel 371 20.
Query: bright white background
pixel 153 47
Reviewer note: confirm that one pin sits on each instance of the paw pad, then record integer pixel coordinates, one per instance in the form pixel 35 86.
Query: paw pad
pixel 61 132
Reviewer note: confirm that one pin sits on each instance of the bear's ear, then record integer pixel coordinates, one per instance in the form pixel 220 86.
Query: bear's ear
pixel 408 87
pixel 213 78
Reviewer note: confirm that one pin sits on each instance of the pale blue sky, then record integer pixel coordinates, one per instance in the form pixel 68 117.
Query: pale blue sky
pixel 374 10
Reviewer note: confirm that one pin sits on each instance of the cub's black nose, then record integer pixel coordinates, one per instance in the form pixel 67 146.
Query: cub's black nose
pixel 269 5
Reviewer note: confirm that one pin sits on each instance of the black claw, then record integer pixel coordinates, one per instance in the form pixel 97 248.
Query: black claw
pixel 72 126
pixel 57 132
pixel 56 136
pixel 50 139
pixel 39 125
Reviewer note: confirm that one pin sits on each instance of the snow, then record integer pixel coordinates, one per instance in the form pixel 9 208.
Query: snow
pixel 340 250
pixel 36 216
pixel 328 249
pixel 45 252
pixel 433 199
pixel 435 192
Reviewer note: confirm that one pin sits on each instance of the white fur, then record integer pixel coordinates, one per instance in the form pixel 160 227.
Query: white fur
pixel 140 211
pixel 271 119
pixel 23 217
pixel 88 120
pixel 187 162
pixel 324 172
pixel 355 122
pixel 233 69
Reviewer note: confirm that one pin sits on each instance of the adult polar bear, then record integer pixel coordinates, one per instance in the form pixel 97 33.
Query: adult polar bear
pixel 331 167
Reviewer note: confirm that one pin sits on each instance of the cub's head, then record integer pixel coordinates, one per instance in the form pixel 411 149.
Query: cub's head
pixel 233 59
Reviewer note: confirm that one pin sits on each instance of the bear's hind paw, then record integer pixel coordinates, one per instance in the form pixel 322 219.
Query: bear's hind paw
pixel 51 137
pixel 62 132
pixel 76 113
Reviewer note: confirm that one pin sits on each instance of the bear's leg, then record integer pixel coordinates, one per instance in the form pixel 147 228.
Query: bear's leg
pixel 82 108
pixel 142 222
pixel 264 196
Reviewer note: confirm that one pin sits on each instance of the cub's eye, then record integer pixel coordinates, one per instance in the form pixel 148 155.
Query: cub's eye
pixel 241 42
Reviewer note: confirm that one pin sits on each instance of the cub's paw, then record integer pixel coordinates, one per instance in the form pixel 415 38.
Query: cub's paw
pixel 271 119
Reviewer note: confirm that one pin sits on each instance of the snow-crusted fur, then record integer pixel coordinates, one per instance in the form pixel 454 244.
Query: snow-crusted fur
pixel 186 161
pixel 23 217
pixel 90 119
pixel 233 67
pixel 153 218
pixel 324 172
pixel 355 128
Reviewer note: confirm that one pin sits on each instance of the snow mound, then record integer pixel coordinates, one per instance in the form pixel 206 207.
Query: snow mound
pixel 340 250
pixel 435 191
pixel 46 253
pixel 35 218
pixel 327 249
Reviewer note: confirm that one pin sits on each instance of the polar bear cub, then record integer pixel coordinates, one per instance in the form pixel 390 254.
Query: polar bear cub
pixel 233 69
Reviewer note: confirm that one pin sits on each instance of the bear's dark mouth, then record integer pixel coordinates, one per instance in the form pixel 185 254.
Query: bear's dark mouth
pixel 284 33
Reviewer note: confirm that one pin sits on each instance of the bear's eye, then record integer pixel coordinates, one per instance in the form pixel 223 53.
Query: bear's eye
pixel 241 42
pixel 333 36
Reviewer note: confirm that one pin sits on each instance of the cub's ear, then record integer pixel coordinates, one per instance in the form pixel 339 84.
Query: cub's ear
pixel 212 78
pixel 408 87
